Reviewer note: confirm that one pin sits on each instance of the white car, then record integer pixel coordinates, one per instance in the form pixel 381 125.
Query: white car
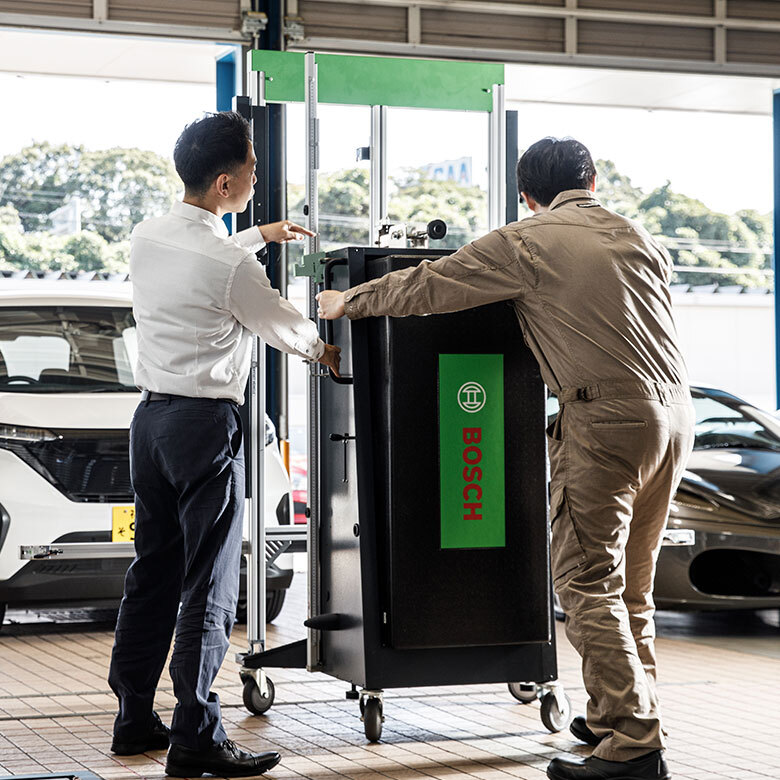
pixel 67 395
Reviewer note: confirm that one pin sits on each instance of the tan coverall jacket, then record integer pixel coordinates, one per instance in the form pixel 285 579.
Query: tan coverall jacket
pixel 591 292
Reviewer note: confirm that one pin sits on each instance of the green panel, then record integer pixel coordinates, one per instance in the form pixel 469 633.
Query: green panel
pixel 471 451
pixel 385 81
pixel 284 75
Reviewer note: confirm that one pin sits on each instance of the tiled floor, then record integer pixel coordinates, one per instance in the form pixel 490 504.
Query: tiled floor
pixel 720 685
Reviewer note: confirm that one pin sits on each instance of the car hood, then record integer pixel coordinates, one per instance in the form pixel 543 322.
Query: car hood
pixel 744 479
pixel 68 410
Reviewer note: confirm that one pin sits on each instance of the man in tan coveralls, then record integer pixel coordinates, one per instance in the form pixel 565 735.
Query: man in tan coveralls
pixel 591 292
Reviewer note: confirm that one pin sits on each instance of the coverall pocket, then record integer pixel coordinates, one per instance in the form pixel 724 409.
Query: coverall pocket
pixel 566 551
pixel 617 425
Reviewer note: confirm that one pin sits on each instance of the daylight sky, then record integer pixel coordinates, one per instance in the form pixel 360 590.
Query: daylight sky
pixel 723 160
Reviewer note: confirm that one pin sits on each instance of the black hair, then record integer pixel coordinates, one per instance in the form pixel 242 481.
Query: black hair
pixel 208 147
pixel 554 165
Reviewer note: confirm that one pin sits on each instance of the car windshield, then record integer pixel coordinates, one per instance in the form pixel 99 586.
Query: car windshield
pixel 730 423
pixel 67 349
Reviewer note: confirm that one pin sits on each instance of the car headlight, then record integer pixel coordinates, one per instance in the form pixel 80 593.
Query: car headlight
pixel 270 431
pixel 15 433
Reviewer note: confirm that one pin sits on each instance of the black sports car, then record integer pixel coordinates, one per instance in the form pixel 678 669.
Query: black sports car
pixel 722 546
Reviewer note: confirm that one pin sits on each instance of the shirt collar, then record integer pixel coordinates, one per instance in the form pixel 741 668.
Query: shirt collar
pixel 569 195
pixel 197 214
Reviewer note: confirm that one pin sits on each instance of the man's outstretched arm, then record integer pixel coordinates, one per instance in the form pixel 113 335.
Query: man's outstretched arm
pixel 485 271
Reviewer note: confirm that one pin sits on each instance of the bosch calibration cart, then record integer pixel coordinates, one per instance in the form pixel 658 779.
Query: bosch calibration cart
pixel 427 541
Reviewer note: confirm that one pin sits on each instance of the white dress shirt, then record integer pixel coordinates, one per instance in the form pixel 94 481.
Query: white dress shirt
pixel 198 295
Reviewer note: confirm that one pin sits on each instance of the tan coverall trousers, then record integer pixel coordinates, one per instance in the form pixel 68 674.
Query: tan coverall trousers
pixel 617 453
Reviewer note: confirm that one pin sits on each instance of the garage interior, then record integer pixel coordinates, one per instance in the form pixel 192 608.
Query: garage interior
pixel 719 669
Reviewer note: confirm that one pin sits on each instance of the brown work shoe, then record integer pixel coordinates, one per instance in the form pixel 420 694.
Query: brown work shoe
pixel 223 760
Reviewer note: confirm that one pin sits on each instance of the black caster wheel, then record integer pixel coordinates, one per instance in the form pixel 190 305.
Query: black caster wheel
pixel 553 717
pixel 373 719
pixel 525 693
pixel 254 701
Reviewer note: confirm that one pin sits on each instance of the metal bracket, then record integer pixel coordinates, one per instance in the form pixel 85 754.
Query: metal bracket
pixel 293 30
pixel 312 266
pixel 253 23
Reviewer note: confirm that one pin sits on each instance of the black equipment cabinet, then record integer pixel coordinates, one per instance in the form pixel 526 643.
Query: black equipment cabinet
pixel 430 572
pixel 414 613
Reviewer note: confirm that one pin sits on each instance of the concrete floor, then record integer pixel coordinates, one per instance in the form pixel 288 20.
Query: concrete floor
pixel 719 682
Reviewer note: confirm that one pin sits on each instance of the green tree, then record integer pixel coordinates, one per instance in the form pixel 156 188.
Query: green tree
pixel 118 187
pixel 616 191
pixel 697 236
pixel 418 199
pixel 343 207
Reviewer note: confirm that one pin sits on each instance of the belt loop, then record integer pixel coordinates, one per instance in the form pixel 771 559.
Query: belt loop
pixel 145 397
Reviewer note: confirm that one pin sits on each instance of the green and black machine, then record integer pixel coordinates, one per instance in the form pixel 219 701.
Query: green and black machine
pixel 428 532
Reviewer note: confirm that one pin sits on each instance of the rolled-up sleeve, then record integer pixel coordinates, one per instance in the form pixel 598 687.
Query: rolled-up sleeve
pixel 260 308
pixel 482 272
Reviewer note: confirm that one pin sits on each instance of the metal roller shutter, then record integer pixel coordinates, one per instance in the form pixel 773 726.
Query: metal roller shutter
pixel 700 36
pixel 207 13
pixel 686 8
pixel 651 40
pixel 754 46
pixel 80 9
pixel 754 9
pixel 211 20
pixel 354 21
pixel 521 33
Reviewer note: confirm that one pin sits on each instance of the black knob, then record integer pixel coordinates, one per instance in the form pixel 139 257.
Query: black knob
pixel 437 229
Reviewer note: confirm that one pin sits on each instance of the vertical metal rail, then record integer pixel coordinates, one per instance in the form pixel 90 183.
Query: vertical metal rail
pixel 510 177
pixel 256 581
pixel 776 223
pixel 497 160
pixel 377 207
pixel 313 448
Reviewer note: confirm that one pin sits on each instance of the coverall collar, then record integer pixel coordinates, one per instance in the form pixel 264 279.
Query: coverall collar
pixel 569 195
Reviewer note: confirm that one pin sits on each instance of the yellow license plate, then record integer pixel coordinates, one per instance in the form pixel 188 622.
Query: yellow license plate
pixel 123 524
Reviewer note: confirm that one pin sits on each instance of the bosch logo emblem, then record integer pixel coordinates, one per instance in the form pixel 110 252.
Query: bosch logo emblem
pixel 471 397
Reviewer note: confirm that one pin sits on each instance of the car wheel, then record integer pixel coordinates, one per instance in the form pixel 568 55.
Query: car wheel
pixel 273 604
pixel 274 601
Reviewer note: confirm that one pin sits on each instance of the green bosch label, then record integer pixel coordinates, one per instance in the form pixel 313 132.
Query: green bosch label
pixel 471 451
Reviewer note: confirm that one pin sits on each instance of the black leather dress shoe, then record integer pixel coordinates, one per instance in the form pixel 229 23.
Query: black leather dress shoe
pixel 579 727
pixel 158 739
pixel 223 760
pixel 648 767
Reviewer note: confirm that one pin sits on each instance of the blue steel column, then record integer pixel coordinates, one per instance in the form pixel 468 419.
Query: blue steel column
pixel 227 70
pixel 776 254
pixel 227 88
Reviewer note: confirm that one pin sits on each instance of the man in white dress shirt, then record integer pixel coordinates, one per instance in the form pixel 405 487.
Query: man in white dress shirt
pixel 198 296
